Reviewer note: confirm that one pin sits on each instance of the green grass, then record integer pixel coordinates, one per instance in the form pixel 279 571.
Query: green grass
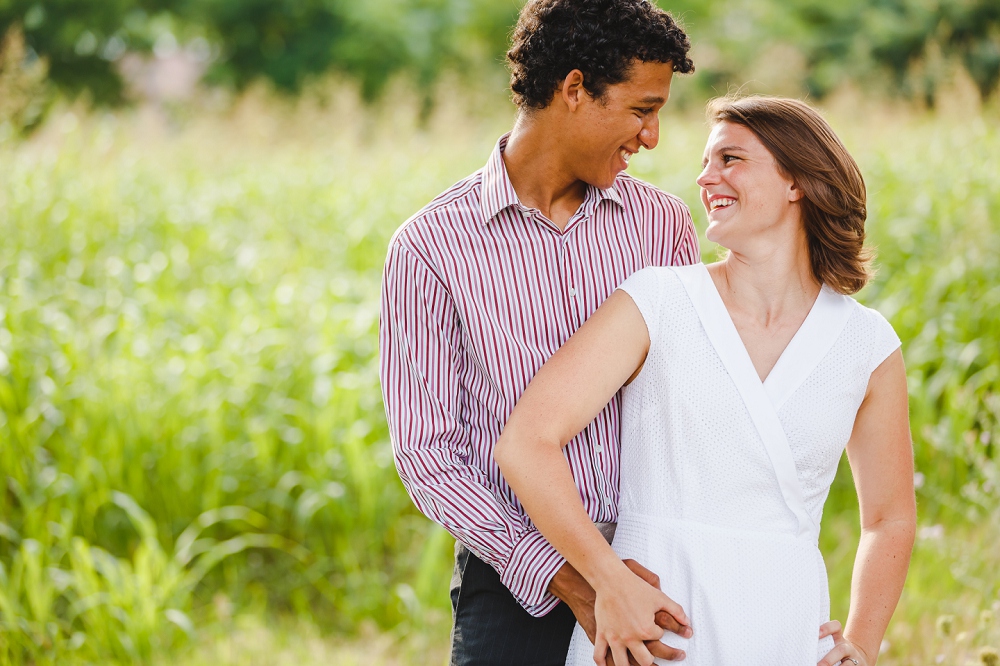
pixel 191 432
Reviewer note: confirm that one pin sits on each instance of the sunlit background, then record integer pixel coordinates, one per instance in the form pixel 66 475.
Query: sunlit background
pixel 195 202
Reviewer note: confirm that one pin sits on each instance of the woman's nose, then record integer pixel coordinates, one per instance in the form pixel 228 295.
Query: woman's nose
pixel 707 176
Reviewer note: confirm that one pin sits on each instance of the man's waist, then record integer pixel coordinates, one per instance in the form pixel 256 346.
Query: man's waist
pixel 607 530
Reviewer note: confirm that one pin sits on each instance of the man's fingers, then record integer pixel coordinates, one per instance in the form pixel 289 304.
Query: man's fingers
pixel 641 654
pixel 662 651
pixel 668 622
pixel 643 573
pixel 672 618
pixel 675 609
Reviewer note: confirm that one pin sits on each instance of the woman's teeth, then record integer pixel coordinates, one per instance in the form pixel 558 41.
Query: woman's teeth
pixel 721 203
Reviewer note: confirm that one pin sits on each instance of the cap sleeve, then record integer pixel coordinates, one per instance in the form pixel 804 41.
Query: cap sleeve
pixel 644 287
pixel 885 341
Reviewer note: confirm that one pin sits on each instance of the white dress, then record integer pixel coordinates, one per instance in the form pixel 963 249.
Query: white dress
pixel 724 477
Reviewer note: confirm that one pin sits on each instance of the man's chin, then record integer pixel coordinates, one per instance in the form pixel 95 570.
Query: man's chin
pixel 604 183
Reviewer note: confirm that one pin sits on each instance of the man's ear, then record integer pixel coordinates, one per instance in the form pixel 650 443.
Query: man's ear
pixel 572 91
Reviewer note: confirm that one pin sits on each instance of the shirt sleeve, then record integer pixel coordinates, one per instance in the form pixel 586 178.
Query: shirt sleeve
pixel 669 233
pixel 420 363
pixel 685 246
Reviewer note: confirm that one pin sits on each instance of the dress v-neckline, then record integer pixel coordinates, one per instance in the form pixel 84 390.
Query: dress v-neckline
pixel 816 335
pixel 803 352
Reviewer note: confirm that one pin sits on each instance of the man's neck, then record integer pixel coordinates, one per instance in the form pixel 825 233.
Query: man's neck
pixel 539 171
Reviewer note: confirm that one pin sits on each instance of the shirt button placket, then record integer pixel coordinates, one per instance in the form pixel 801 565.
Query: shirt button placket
pixel 573 290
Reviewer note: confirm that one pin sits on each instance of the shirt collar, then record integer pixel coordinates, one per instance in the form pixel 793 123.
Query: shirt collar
pixel 498 193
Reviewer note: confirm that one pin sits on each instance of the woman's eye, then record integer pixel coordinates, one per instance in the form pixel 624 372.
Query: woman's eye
pixel 726 159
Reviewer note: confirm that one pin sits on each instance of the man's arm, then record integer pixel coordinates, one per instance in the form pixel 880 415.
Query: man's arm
pixel 669 231
pixel 420 361
pixel 685 246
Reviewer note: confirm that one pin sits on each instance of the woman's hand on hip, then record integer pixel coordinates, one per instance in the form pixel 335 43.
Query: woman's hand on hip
pixel 625 609
pixel 844 651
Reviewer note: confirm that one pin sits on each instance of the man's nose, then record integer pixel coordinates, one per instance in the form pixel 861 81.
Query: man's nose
pixel 649 135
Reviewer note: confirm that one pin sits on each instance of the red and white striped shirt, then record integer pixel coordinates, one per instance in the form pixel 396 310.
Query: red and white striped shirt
pixel 478 291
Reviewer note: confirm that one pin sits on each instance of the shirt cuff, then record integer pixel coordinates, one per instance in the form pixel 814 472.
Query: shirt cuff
pixel 532 564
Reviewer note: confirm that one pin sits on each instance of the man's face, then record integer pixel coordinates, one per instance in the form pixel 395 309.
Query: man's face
pixel 606 132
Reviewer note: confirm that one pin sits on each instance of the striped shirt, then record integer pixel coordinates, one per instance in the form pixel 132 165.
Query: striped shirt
pixel 478 291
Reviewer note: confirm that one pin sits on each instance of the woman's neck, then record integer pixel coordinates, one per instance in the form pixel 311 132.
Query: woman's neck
pixel 771 285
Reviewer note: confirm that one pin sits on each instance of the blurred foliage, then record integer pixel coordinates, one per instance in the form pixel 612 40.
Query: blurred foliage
pixel 189 402
pixel 22 94
pixel 912 47
pixel 284 41
pixel 288 41
pixel 79 40
pixel 912 40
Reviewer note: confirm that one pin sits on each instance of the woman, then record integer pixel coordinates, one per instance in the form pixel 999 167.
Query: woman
pixel 744 382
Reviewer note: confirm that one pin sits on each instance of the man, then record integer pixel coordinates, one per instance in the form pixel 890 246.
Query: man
pixel 494 275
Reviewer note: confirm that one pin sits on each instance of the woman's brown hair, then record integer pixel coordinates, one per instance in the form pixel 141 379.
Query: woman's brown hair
pixel 833 202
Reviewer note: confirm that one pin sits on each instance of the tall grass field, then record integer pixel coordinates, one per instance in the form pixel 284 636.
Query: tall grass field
pixel 194 459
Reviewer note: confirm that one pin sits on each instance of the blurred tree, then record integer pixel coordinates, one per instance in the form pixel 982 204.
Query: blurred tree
pixel 973 34
pixel 80 40
pixel 908 39
pixel 21 84
pixel 284 41
pixel 290 41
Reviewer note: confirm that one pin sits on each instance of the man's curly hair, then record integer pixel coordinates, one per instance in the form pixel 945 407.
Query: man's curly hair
pixel 601 38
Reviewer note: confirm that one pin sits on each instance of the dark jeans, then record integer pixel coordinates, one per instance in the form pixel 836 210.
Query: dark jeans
pixel 492 629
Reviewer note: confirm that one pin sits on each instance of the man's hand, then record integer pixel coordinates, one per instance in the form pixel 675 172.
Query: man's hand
pixel 576 592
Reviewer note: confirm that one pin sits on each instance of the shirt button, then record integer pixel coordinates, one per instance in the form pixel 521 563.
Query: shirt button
pixel 572 292
pixel 599 447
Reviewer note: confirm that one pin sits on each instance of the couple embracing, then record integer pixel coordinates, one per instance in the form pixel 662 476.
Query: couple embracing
pixel 631 448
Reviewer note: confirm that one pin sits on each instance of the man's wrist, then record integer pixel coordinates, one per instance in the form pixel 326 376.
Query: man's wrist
pixel 569 586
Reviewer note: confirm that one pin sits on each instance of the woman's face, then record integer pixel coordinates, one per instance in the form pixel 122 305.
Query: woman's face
pixel 743 190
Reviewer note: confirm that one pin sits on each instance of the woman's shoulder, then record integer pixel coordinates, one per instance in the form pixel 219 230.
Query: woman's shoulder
pixel 872 333
pixel 870 317
pixel 658 279
pixel 656 289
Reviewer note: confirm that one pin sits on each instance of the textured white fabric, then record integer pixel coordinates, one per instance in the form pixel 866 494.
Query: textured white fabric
pixel 713 500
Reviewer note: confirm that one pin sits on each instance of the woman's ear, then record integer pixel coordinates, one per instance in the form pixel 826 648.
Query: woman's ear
pixel 795 192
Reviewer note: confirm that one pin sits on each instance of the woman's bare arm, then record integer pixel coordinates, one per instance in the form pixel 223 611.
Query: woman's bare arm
pixel 881 456
pixel 566 394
